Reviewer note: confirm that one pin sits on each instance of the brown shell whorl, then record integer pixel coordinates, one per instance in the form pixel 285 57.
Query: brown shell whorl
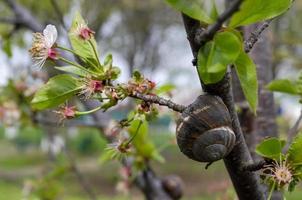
pixel 204 131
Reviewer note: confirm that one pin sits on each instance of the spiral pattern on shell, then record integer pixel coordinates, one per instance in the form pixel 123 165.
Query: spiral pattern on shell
pixel 204 130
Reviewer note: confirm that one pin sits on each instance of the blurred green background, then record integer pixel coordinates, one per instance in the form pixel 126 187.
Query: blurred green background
pixel 144 35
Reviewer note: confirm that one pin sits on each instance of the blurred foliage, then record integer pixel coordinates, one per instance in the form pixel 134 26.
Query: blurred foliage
pixel 88 141
pixel 28 136
pixel 137 34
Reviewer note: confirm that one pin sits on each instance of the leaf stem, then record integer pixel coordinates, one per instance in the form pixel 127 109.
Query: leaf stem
pixel 69 50
pixel 89 111
pixel 271 191
pixel 75 64
pixel 78 55
pixel 96 54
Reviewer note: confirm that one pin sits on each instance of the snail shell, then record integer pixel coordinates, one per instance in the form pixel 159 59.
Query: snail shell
pixel 204 130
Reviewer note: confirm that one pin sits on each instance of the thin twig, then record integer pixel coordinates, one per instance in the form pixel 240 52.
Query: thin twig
pixel 209 33
pixel 254 37
pixel 160 101
pixel 254 166
pixel 293 132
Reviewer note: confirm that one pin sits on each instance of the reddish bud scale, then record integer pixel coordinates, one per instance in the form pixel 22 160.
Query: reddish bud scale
pixel 53 54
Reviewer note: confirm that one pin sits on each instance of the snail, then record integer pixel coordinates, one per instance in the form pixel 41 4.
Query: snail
pixel 204 130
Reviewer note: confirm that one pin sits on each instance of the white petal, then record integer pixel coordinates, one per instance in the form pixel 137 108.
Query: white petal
pixel 50 35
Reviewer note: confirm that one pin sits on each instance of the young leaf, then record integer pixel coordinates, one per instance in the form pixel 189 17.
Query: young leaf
pixel 252 11
pixel 270 148
pixel 295 150
pixel 141 141
pixel 214 12
pixel 246 71
pixel 86 49
pixel 284 86
pixel 191 8
pixel 164 88
pixel 73 70
pixel 216 55
pixel 56 91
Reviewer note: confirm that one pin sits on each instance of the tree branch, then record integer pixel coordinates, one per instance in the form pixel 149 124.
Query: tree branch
pixel 255 166
pixel 159 100
pixel 253 38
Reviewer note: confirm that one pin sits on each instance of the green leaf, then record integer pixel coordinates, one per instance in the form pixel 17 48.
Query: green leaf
pixel 284 86
pixel 252 11
pixel 108 61
pixel 73 70
pixel 142 143
pixel 295 150
pixel 164 88
pixel 55 92
pixel 191 8
pixel 83 48
pixel 137 76
pixel 246 71
pixel 270 148
pixel 216 55
pixel 214 12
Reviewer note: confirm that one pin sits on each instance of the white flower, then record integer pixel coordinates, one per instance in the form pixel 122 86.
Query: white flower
pixel 42 47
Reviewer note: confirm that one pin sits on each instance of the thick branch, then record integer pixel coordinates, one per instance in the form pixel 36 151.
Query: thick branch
pixel 160 101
